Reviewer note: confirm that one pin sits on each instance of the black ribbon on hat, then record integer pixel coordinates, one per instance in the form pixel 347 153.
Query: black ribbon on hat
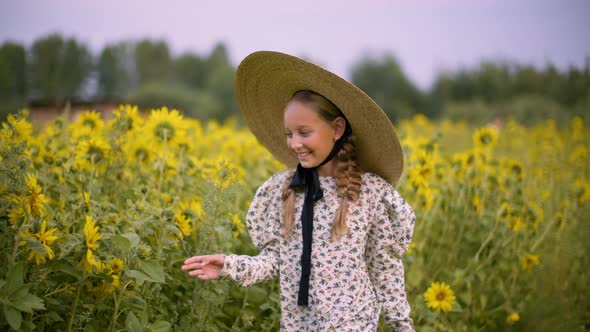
pixel 308 179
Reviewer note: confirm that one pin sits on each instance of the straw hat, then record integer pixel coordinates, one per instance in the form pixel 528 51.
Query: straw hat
pixel 264 84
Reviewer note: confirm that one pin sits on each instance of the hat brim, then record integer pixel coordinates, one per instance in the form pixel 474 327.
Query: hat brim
pixel 265 82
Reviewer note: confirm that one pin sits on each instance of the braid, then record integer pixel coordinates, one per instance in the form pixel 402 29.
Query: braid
pixel 348 184
pixel 288 197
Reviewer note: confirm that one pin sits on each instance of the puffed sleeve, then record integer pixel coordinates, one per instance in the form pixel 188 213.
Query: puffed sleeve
pixel 388 239
pixel 263 222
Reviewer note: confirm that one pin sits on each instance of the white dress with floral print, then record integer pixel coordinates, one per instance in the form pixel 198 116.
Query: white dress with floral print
pixel 353 278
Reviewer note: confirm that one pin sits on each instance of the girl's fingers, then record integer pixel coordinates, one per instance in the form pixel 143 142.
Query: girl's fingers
pixel 194 259
pixel 191 266
pixel 196 273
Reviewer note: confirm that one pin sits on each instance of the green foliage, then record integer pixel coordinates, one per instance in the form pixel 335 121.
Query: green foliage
pixel 58 68
pixel 135 283
pixel 191 70
pixel 153 61
pixel 194 103
pixel 116 72
pixel 13 66
pixel 383 79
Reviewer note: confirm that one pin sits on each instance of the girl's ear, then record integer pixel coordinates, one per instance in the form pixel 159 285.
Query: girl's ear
pixel 339 124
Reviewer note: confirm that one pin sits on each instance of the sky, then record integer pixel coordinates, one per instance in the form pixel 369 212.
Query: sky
pixel 425 36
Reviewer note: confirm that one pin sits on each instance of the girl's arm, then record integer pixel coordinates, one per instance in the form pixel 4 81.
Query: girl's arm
pixel 263 221
pixel 388 239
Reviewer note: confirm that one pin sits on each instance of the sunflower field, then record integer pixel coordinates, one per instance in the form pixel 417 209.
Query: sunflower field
pixel 97 216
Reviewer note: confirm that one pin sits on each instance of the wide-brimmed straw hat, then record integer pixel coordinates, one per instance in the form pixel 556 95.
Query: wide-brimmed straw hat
pixel 266 81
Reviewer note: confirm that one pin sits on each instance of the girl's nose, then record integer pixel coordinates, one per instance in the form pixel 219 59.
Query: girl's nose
pixel 294 144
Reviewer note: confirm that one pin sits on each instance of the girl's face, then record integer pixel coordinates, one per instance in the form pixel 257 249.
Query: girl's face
pixel 308 135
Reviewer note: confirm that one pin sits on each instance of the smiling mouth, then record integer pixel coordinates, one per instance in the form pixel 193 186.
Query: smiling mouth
pixel 303 154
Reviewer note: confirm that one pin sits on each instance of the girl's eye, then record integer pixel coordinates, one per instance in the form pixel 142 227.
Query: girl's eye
pixel 304 133
pixel 289 135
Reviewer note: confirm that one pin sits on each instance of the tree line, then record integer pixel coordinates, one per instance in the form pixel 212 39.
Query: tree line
pixel 55 70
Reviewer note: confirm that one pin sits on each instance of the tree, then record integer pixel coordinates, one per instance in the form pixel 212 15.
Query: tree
pixel 384 80
pixel 220 81
pixel 117 73
pixel 153 61
pixel 13 66
pixel 58 68
pixel 191 70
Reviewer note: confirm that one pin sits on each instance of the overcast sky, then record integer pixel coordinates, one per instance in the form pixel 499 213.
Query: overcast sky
pixel 425 36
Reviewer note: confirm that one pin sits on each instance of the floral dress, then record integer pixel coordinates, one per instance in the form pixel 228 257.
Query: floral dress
pixel 353 278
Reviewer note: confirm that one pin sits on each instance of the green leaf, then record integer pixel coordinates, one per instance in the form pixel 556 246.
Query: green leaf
pixel 133 239
pixel 28 302
pixel 14 279
pixel 160 326
pixel 13 316
pixel 139 277
pixel 154 270
pixel 132 323
pixel 121 243
pixel 34 244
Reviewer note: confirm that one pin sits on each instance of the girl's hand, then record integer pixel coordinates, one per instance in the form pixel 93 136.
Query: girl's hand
pixel 206 267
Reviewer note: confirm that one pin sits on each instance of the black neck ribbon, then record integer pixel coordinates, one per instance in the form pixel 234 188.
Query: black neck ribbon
pixel 308 179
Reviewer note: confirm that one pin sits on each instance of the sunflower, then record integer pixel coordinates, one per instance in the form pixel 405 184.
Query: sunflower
pixel 92 154
pixel 581 189
pixel 126 118
pixel 513 317
pixel 138 152
pixel 425 198
pixel 17 129
pixel 46 238
pixel 514 169
pixel 238 225
pixel 34 201
pixel 559 220
pixel 191 209
pixel 92 236
pixel 183 224
pixel 505 211
pixel 476 203
pixel 515 223
pixel 485 138
pixel 91 120
pixel 164 127
pixel 116 266
pixel 91 233
pixel 439 297
pixel 529 261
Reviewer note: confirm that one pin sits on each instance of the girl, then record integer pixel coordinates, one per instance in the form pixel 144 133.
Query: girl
pixel 333 229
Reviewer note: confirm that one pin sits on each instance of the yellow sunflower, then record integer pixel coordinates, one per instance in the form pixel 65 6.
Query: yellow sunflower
pixel 116 266
pixel 35 200
pixel 513 317
pixel 439 297
pixel 165 127
pixel 91 120
pixel 126 118
pixel 183 224
pixel 92 154
pixel 17 129
pixel 191 209
pixel 515 223
pixel 46 238
pixel 91 236
pixel 581 189
pixel 91 233
pixel 238 225
pixel 529 261
pixel 485 138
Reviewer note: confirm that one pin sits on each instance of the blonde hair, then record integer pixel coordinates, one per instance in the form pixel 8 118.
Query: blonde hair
pixel 348 172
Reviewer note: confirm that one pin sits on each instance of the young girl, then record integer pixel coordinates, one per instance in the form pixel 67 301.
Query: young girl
pixel 333 229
